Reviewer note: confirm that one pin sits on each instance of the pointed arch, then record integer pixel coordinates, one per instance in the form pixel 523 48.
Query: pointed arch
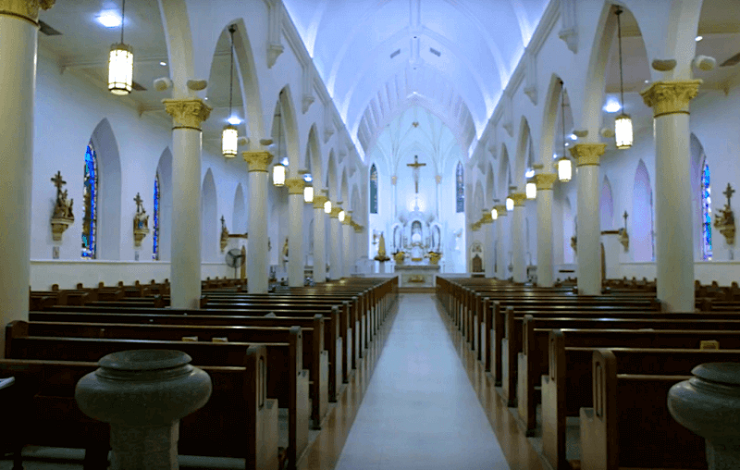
pixel 108 211
pixel 164 229
pixel 642 226
pixel 522 149
pixel 289 127
pixel 701 200
pixel 459 188
pixel 373 189
pixel 504 173
pixel 239 215
pixel 313 149
pixel 490 185
pixel 208 219
pixel 331 176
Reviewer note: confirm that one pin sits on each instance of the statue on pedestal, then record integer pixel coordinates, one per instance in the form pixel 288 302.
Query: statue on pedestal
pixel 62 216
pixel 141 221
pixel 381 256
pixel 224 234
pixel 725 221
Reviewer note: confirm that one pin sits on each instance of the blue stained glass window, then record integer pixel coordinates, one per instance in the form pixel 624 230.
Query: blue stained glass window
pixel 373 190
pixel 90 202
pixel 706 212
pixel 155 250
pixel 460 187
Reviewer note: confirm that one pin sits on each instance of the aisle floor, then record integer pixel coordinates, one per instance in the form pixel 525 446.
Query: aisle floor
pixel 420 410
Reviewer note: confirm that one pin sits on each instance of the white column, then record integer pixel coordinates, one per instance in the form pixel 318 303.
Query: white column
pixel 18 52
pixel 517 237
pixel 319 239
pixel 394 180
pixel 295 238
pixel 335 254
pixel 674 237
pixel 588 236
pixel 545 269
pixel 187 144
pixel 257 273
pixel 348 254
pixel 438 179
pixel 487 227
pixel 501 226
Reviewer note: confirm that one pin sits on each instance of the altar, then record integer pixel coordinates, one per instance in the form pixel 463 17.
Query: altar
pixel 417 275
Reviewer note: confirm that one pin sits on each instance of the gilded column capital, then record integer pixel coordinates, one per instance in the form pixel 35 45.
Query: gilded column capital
pixel 438 179
pixel 587 154
pixel 295 185
pixel 486 219
pixel 519 199
pixel 670 97
pixel 319 201
pixel 187 113
pixel 545 181
pixel 476 226
pixel 347 219
pixel 335 210
pixel 394 179
pixel 25 9
pixel 501 209
pixel 358 228
pixel 257 160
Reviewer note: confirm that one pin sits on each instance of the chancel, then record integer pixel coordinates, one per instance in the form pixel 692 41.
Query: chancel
pixel 351 230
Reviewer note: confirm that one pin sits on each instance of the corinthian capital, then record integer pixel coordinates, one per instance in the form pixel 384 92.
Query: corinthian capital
pixel 25 9
pixel 295 185
pixel 257 161
pixel 187 113
pixel 319 201
pixel 670 97
pixel 545 181
pixel 587 154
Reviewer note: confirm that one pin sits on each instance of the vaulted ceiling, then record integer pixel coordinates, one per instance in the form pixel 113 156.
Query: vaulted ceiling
pixel 380 57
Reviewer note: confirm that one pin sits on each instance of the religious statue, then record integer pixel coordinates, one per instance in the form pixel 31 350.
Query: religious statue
pixel 399 257
pixel 624 237
pixel 415 166
pixel 224 234
pixel 381 256
pixel 725 221
pixel 285 251
pixel 62 216
pixel 141 221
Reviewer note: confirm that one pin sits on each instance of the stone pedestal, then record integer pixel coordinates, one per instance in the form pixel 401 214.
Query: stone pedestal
pixel 708 404
pixel 143 394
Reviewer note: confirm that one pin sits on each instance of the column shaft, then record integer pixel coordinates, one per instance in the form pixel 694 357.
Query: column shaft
pixel 545 270
pixel 501 231
pixel 187 143
pixel 347 252
pixel 319 244
pixel 295 243
pixel 673 219
pixel 18 43
pixel 589 223
pixel 257 257
pixel 517 238
pixel 335 254
pixel 490 260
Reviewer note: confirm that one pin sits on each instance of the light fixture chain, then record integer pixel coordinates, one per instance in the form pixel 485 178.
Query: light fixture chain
pixel 231 74
pixel 123 17
pixel 619 36
pixel 562 112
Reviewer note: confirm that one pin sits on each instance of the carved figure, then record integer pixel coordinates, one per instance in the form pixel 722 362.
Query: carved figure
pixel 725 221
pixel 224 234
pixel 141 221
pixel 381 256
pixel 62 216
pixel 285 250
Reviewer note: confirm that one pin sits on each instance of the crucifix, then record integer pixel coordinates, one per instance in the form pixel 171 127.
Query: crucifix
pixel 415 166
pixel 223 222
pixel 58 181
pixel 139 201
pixel 728 193
pixel 625 219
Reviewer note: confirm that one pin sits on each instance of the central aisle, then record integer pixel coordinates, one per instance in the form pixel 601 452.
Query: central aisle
pixel 420 411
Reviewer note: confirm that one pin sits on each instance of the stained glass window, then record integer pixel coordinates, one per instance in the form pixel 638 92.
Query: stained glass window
pixel 460 187
pixel 706 212
pixel 373 190
pixel 155 250
pixel 90 202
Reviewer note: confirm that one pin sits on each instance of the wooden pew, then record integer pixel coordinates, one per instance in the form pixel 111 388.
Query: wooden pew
pixel 238 421
pixel 315 358
pixel 629 424
pixel 570 372
pixel 284 365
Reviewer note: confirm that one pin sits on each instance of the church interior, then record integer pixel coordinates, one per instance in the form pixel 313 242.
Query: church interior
pixel 359 234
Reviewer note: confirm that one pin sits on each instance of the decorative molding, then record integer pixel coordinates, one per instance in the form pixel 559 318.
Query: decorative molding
pixel 519 199
pixel 569 27
pixel 670 97
pixel 335 210
pixel 508 113
pixel 274 30
pixel 257 160
pixel 307 81
pixel 530 87
pixel 295 185
pixel 544 181
pixel 319 200
pixel 501 209
pixel 187 113
pixel 587 154
pixel 25 9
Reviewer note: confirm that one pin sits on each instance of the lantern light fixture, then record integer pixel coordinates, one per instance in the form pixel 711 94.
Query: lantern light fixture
pixel 327 207
pixel 623 123
pixel 230 135
pixel 308 194
pixel 341 216
pixel 494 214
pixel 121 64
pixel 509 204
pixel 531 189
pixel 278 175
pixel 564 165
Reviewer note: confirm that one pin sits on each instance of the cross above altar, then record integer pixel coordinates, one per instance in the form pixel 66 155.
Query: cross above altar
pixel 415 166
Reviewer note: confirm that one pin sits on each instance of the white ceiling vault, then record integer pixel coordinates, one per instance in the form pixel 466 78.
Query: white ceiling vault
pixel 380 57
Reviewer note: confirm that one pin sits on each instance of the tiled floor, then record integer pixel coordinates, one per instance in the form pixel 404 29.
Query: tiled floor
pixel 420 410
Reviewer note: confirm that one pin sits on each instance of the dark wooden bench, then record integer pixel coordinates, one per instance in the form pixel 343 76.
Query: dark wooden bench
pixel 567 386
pixel 284 366
pixel 238 421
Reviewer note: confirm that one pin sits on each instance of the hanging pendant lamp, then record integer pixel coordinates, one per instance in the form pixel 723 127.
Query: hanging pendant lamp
pixel 230 135
pixel 565 167
pixel 278 171
pixel 308 194
pixel 121 63
pixel 327 207
pixel 623 123
pixel 494 213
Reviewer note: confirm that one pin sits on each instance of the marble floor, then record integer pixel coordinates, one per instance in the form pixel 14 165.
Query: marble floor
pixel 420 410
